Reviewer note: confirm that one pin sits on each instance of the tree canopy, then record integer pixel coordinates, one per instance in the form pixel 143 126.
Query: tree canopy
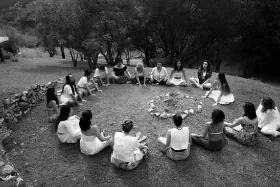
pixel 173 29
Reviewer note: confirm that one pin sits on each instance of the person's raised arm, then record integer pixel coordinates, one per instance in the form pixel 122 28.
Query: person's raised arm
pixel 98 134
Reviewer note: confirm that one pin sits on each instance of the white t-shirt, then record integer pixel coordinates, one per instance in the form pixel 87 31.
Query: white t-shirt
pixel 158 75
pixel 66 94
pixel 101 74
pixel 124 147
pixel 83 82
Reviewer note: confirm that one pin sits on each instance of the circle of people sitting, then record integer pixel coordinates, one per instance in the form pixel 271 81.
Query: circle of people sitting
pixel 129 150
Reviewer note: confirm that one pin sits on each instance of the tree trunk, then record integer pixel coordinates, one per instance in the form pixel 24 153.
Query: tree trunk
pixel 109 53
pixel 62 52
pixel 1 55
pixel 81 55
pixel 147 58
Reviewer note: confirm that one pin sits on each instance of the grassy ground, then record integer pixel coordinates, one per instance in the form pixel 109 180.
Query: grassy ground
pixel 42 160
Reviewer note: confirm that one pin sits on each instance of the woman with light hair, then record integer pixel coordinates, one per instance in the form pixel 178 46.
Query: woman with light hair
pixel 140 75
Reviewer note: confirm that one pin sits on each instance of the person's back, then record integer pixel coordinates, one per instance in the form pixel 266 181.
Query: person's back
pixel 216 136
pixel 179 138
pixel 124 147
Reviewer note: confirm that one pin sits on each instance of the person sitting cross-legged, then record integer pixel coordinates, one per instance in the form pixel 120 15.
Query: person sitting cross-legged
pixel 269 117
pixel 101 76
pixel 69 93
pixel 215 131
pixel 120 73
pixel 203 77
pixel 159 75
pixel 244 129
pixel 92 140
pixel 128 152
pixel 178 75
pixel 67 126
pixel 52 105
pixel 178 141
pixel 85 84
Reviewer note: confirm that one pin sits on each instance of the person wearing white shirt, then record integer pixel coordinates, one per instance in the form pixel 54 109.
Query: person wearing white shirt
pixel 269 117
pixel 159 75
pixel 67 127
pixel 69 93
pixel 101 75
pixel 178 141
pixel 128 152
pixel 85 83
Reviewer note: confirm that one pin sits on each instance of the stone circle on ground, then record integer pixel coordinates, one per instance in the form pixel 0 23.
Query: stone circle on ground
pixel 167 105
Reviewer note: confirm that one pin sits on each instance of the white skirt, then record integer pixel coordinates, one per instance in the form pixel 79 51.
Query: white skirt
pixel 225 99
pixel 177 81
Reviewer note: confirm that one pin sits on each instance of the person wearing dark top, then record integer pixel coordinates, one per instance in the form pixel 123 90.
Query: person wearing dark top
pixel 203 77
pixel 120 73
pixel 215 131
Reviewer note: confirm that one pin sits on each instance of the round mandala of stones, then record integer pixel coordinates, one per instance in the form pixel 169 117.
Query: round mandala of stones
pixel 167 105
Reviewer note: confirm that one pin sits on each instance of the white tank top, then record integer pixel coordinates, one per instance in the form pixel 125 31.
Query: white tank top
pixel 179 138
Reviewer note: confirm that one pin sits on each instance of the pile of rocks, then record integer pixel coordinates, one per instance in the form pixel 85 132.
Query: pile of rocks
pixel 168 100
pixel 16 106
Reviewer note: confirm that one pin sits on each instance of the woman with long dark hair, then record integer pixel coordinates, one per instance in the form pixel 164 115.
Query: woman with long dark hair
pixel 68 129
pixel 213 138
pixel 69 93
pixel 177 76
pixel 86 82
pixel 269 117
pixel 220 91
pixel 244 129
pixel 203 76
pixel 52 105
pixel 92 140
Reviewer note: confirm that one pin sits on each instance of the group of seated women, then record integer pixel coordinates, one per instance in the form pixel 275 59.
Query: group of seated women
pixel 128 150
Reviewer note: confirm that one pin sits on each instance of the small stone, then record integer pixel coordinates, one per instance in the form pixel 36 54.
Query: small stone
pixel 26 111
pixel 7 101
pixel 191 111
pixel 150 109
pixel 163 115
pixel 153 105
pixel 23 104
pixel 17 115
pixel 152 113
pixel 23 98
pixel 7 170
pixel 168 115
pixel 186 111
pixel 184 116
pixel 151 101
pixel 157 113
pixel 2 163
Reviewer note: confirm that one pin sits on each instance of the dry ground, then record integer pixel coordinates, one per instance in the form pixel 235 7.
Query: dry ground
pixel 43 161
